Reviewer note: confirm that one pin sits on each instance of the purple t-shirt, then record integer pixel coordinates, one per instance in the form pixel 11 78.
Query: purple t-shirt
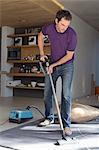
pixel 60 42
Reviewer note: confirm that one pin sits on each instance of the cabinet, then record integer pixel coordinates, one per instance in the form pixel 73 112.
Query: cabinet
pixel 24 56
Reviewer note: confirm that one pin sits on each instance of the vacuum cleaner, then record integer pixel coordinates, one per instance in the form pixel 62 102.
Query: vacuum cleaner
pixel 64 137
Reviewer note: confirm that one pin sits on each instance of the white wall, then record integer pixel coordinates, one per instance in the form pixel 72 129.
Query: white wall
pixel 97 63
pixel 85 60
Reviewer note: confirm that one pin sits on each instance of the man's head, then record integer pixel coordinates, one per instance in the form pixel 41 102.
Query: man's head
pixel 62 20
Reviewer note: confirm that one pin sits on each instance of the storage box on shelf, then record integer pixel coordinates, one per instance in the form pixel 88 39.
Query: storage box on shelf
pixel 25 61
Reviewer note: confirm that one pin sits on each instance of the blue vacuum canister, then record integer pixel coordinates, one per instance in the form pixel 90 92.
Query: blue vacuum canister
pixel 19 116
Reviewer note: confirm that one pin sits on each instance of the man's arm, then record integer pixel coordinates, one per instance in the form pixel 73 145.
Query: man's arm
pixel 64 59
pixel 41 46
pixel 41 43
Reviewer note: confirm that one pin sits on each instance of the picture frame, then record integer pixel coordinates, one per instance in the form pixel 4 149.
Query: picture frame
pixel 32 40
pixel 18 41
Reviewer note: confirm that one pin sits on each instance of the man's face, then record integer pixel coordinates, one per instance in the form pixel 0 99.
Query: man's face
pixel 62 25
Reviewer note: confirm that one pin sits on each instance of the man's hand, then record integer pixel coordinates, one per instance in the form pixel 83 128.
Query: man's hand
pixel 50 69
pixel 43 58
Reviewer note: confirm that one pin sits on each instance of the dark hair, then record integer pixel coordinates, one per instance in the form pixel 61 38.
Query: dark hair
pixel 63 14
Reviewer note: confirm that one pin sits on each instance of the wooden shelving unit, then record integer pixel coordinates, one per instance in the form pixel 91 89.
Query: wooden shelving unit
pixel 24 87
pixel 26 50
pixel 26 46
pixel 26 74
pixel 21 35
pixel 22 61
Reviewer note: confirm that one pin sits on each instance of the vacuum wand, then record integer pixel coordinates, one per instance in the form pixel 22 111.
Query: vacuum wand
pixel 57 107
pixel 56 100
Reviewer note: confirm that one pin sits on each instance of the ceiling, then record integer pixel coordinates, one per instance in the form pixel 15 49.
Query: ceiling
pixel 23 13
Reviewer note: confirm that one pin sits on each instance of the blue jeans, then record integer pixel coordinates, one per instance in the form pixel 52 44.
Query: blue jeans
pixel 65 71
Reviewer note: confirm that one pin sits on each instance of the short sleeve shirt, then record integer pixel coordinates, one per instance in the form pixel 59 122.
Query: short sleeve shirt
pixel 60 42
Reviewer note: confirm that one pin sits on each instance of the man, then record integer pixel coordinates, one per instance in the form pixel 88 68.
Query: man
pixel 63 42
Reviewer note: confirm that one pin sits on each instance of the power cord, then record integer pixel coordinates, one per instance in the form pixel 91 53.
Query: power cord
pixel 29 107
